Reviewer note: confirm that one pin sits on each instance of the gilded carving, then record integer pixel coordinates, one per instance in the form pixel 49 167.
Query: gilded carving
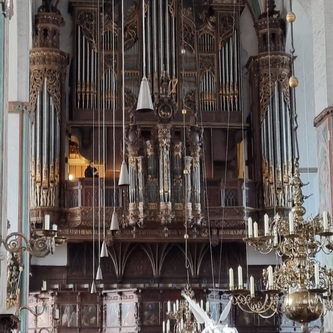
pixel 14 270
pixel 273 69
pixel 227 24
pixel 87 20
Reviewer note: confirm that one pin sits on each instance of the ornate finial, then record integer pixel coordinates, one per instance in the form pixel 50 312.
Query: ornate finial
pixel 48 8
pixel 298 197
pixel 270 5
pixel 270 10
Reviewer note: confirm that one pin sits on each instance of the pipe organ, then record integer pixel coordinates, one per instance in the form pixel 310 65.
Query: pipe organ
pixel 181 43
pixel 270 72
pixel 47 74
pixel 165 175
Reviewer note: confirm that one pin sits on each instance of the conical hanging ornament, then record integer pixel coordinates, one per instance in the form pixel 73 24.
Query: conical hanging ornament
pixel 99 275
pixel 104 250
pixel 93 288
pixel 123 177
pixel 145 103
pixel 114 222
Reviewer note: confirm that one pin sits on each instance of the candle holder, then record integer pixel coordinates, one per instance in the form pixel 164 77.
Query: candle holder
pixel 298 284
pixel 41 243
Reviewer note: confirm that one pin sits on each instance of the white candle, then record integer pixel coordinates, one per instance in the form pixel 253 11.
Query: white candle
pixel 201 304
pixel 316 267
pixel 266 225
pixel 169 306
pixel 325 221
pixel 54 227
pixel 168 326
pixel 231 279
pixel 291 223
pixel 177 304
pixel 163 326
pixel 249 227
pixel 275 240
pixel 47 222
pixel 240 277
pixel 255 229
pixel 207 306
pixel 270 277
pixel 44 285
pixel 56 315
pixel 252 286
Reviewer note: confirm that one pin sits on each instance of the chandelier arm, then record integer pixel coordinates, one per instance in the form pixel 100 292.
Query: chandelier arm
pixel 14 245
pixel 250 304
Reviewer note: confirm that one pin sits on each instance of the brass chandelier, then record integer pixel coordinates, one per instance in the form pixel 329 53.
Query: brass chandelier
pixel 299 287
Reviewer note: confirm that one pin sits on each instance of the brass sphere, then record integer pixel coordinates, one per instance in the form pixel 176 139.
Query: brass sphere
pixel 303 306
pixel 293 81
pixel 291 17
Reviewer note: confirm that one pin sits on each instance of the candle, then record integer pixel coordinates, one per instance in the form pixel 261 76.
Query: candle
pixel 249 227
pixel 201 304
pixel 266 225
pixel 169 306
pixel 255 229
pixel 168 326
pixel 240 277
pixel 177 304
pixel 231 279
pixel 47 222
pixel 291 223
pixel 54 227
pixel 252 286
pixel 44 285
pixel 275 240
pixel 325 221
pixel 270 277
pixel 56 315
pixel 163 326
pixel 316 267
pixel 207 306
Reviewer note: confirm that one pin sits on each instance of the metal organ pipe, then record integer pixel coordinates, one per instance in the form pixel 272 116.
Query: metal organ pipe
pixel 53 144
pixel 161 34
pixel 236 74
pixel 45 144
pixel 148 41
pixel 78 61
pixel 173 45
pixel 167 39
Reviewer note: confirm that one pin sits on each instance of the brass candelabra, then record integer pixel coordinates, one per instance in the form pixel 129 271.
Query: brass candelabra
pixel 181 314
pixel 41 243
pixel 300 286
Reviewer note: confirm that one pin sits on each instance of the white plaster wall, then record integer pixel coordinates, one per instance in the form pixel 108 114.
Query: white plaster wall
pixel 18 91
pixel 3 180
pixel 59 258
pixel 322 12
pixel 19 45
pixel 13 171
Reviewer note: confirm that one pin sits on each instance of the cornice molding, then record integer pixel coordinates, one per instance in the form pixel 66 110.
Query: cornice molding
pixel 322 116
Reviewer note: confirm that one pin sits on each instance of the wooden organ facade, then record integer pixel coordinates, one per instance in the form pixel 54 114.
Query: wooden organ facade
pixel 183 216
